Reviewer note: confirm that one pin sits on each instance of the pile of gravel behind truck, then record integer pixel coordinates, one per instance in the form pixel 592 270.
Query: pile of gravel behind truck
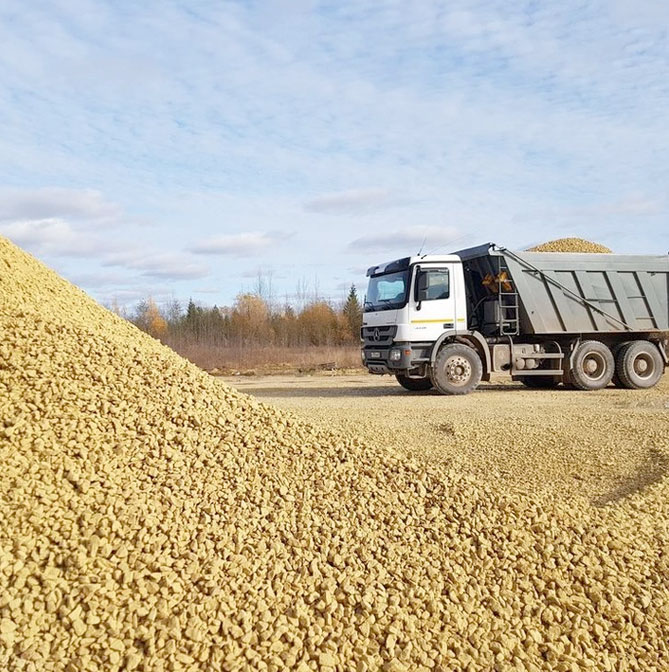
pixel 152 518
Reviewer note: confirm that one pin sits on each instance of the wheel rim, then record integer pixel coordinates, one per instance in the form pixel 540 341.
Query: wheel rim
pixel 594 366
pixel 643 366
pixel 458 370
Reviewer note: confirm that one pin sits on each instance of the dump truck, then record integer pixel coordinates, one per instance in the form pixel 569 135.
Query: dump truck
pixel 544 319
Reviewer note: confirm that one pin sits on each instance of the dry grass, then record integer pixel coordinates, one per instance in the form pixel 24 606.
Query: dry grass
pixel 231 359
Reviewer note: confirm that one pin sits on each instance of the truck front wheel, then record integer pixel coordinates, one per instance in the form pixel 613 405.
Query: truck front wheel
pixel 457 369
pixel 639 365
pixel 414 384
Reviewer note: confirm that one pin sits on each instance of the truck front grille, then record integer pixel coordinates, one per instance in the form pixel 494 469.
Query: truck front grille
pixel 379 335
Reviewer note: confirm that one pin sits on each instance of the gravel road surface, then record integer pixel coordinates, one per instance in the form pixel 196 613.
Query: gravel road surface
pixel 601 446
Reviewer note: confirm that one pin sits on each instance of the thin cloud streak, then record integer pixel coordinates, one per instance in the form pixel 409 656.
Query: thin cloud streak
pixel 351 202
pixel 52 202
pixel 638 206
pixel 55 237
pixel 240 244
pixel 168 266
pixel 411 239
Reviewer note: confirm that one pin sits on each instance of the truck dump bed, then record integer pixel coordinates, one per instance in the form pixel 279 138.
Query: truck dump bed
pixel 575 293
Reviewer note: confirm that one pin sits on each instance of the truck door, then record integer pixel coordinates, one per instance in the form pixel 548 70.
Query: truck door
pixel 433 309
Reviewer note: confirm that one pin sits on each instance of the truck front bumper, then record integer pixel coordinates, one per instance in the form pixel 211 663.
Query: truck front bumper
pixel 396 358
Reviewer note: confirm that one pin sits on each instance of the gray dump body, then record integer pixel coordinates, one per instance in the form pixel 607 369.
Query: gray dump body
pixel 567 293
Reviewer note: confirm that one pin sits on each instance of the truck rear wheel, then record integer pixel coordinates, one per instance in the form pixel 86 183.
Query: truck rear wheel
pixel 617 349
pixel 457 369
pixel 639 365
pixel 414 384
pixel 593 366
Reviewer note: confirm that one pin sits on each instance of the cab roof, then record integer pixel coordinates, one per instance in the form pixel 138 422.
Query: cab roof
pixel 406 262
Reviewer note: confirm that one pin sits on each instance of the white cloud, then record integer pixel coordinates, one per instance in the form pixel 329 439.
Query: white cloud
pixel 635 205
pixel 408 240
pixel 168 266
pixel 78 225
pixel 59 222
pixel 353 201
pixel 240 244
pixel 57 238
pixel 51 202
pixel 207 290
pixel 99 279
pixel 53 237
pixel 173 267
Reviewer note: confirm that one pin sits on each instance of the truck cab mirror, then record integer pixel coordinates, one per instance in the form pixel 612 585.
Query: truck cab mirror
pixel 420 289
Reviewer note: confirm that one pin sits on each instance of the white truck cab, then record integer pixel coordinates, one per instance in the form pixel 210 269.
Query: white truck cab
pixel 410 304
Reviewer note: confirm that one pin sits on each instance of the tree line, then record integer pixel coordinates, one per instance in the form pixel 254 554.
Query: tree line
pixel 251 321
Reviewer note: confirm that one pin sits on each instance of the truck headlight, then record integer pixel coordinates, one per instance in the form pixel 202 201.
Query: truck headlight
pixel 362 356
pixel 395 355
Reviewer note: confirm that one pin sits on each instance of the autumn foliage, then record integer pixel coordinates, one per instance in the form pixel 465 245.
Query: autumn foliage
pixel 149 319
pixel 252 324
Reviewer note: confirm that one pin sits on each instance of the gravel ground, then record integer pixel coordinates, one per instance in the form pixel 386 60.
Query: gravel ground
pixel 601 445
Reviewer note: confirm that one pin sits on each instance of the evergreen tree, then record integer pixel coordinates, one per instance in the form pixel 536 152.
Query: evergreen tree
pixel 353 313
pixel 193 322
pixel 191 311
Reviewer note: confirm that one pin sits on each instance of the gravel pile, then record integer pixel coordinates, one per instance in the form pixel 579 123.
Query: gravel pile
pixel 571 245
pixel 153 519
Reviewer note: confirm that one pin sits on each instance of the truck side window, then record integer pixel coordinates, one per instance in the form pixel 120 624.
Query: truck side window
pixel 438 286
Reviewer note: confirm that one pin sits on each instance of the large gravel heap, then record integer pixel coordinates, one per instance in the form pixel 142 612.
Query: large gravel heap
pixel 571 245
pixel 153 519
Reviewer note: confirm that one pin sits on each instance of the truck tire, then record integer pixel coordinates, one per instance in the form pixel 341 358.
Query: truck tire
pixel 457 369
pixel 639 365
pixel 540 382
pixel 593 366
pixel 616 350
pixel 414 384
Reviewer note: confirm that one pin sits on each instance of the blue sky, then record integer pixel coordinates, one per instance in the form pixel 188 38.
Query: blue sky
pixel 178 148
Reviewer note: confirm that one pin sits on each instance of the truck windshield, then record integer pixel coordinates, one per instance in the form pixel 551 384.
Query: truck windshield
pixel 386 292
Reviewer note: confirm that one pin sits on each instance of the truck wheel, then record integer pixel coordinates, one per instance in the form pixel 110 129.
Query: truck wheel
pixel 617 349
pixel 540 382
pixel 593 366
pixel 457 369
pixel 414 384
pixel 639 365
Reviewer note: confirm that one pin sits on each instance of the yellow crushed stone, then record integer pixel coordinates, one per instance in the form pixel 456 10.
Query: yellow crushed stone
pixel 153 519
pixel 570 245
